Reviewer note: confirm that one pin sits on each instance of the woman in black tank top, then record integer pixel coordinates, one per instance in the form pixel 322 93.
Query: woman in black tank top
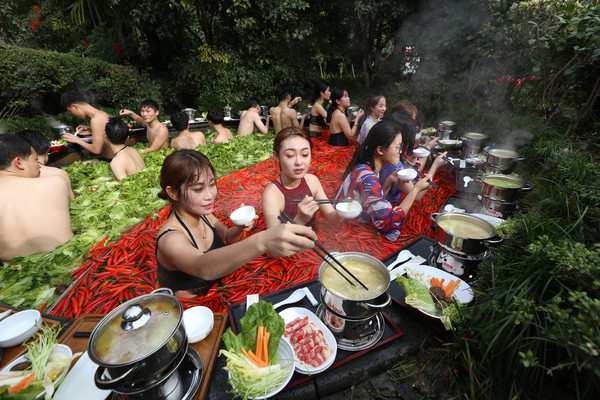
pixel 318 111
pixel 194 250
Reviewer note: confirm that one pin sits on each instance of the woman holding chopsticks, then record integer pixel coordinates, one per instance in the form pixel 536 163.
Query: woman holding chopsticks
pixel 295 190
pixel 383 146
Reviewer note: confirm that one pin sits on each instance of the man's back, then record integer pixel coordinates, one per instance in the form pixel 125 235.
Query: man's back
pixel 188 140
pixel 35 215
pixel 127 162
pixel 283 117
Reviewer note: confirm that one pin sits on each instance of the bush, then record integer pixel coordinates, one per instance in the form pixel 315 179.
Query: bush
pixel 33 80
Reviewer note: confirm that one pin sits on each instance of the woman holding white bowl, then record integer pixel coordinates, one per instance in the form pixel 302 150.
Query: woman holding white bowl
pixel 339 122
pixel 194 250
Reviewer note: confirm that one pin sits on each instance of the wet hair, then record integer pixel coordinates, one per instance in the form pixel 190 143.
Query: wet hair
pixel 215 116
pixel 37 140
pixel 289 132
pixel 11 147
pixel 73 97
pixel 282 92
pixel 336 94
pixel 252 103
pixel 382 134
pixel 408 134
pixel 320 86
pixel 150 104
pixel 116 130
pixel 180 121
pixel 406 107
pixel 181 169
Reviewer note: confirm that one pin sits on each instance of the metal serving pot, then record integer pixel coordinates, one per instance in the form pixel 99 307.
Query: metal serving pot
pixel 503 160
pixel 503 187
pixel 497 208
pixel 464 234
pixel 342 303
pixel 138 341
pixel 62 129
pixel 472 144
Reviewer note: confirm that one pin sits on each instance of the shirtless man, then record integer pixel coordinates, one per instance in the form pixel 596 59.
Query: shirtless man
pixel 215 121
pixel 76 103
pixel 126 161
pixel 41 146
pixel 251 118
pixel 284 116
pixel 185 139
pixel 156 133
pixel 35 210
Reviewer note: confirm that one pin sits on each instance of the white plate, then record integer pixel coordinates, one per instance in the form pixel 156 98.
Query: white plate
pixel 61 349
pixel 79 382
pixel 463 292
pixel 290 314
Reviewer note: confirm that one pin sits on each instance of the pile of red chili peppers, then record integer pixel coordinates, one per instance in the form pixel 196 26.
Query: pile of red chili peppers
pixel 119 271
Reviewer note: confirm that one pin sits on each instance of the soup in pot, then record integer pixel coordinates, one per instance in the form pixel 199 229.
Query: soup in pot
pixel 367 274
pixel 464 228
pixel 503 182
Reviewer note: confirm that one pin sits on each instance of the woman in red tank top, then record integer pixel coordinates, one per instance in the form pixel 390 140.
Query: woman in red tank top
pixel 292 149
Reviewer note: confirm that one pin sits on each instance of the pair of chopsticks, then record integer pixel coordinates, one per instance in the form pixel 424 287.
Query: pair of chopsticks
pixel 422 175
pixel 327 256
pixel 323 201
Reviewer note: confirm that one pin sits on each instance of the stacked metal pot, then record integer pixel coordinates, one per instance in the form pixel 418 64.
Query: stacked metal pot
pixel 141 348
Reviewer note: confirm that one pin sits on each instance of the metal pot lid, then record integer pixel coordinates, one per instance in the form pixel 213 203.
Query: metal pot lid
pixel 135 329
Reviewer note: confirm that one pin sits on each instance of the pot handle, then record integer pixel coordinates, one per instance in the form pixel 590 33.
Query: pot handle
pixel 379 307
pixel 494 241
pixel 107 384
pixel 163 290
pixel 526 188
pixel 433 217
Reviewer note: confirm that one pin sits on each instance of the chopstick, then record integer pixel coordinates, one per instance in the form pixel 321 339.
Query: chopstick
pixel 289 219
pixel 422 175
pixel 322 201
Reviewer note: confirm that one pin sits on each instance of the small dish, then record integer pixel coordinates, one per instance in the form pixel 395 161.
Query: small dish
pixel 449 143
pixel 19 327
pixel 198 323
pixel 79 382
pixel 407 174
pixel 242 215
pixel 420 152
pixel 348 210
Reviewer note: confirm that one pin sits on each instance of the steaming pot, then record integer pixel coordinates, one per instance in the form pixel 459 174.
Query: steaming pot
pixel 502 159
pixel 463 244
pixel 473 144
pixel 503 187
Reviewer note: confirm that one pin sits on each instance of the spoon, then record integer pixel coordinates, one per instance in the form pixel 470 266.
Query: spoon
pixel 402 257
pixel 294 297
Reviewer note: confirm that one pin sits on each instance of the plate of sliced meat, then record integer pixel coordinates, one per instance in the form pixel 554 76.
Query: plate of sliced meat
pixel 314 345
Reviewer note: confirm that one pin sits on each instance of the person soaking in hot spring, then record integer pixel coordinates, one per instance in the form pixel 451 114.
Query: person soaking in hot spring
pixel 193 248
pixel 382 146
pixel 292 149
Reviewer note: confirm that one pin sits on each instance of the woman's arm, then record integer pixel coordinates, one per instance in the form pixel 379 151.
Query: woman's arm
pixel 272 205
pixel 176 251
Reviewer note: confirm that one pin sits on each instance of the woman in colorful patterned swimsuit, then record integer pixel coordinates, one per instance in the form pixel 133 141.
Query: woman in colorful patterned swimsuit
pixel 383 146
pixel 292 149
pixel 194 249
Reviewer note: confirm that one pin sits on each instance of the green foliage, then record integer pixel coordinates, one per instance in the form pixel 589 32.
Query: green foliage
pixel 33 80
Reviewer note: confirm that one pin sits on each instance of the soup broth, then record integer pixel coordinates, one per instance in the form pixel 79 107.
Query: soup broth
pixel 366 273
pixel 503 183
pixel 464 229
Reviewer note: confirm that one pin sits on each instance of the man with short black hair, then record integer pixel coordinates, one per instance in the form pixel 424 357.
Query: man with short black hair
pixel 126 161
pixel 284 116
pixel 156 133
pixel 185 139
pixel 35 209
pixel 251 119
pixel 215 121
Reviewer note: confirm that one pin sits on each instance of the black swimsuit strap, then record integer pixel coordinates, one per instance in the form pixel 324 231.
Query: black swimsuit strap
pixel 186 229
pixel 206 221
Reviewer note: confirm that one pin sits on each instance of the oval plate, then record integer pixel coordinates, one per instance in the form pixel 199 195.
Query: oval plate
pixel 463 292
pixel 290 314
pixel 79 382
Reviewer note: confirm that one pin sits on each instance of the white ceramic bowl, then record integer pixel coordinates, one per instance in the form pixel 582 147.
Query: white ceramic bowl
pixel 286 360
pixel 243 215
pixel 407 174
pixel 420 152
pixel 348 210
pixel 19 327
pixel 198 323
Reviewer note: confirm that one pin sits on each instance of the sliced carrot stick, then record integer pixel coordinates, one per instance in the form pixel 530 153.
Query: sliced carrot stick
pixel 259 363
pixel 450 287
pixel 259 342
pixel 22 384
pixel 266 350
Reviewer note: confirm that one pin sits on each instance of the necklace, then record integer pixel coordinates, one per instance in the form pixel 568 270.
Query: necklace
pixel 117 152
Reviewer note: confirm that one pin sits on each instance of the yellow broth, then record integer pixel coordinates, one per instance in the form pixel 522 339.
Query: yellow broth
pixel 464 228
pixel 502 182
pixel 367 274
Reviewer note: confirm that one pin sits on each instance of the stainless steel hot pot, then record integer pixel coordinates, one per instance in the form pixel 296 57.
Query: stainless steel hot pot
pixel 365 307
pixel 503 187
pixel 139 341
pixel 473 144
pixel 503 160
pixel 464 245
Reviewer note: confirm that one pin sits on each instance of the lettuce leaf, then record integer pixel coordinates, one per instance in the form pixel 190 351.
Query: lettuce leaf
pixel 417 294
pixel 261 313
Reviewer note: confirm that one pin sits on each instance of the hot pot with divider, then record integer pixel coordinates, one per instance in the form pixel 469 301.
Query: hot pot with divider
pixel 464 234
pixel 139 343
